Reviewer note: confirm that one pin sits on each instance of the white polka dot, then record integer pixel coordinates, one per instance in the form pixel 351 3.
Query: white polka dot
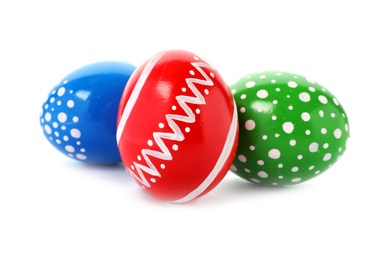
pixel 260 162
pixel 187 129
pixel 290 107
pixel 333 115
pixel 304 96
pixel 262 174
pixel 62 117
pixel 233 91
pixel 48 117
pixel 292 142
pixel 327 156
pixel 66 138
pixel 243 96
pixel 323 99
pixel 295 169
pixel 292 84
pixel 249 125
pixel 337 133
pixel 197 110
pixel 273 117
pixel 273 81
pixel 252 147
pixel 206 91
pixel 242 109
pixel 81 156
pixel 61 91
pixel 174 107
pixel 69 148
pixel 262 77
pixel 212 75
pixel 75 133
pixel 346 127
pixel 163 166
pixel 161 125
pixel 280 177
pixel 274 153
pixel 296 180
pixel 311 167
pixel 299 157
pixel 336 102
pixel 262 93
pixel 139 157
pixel 247 170
pixel 250 84
pixel 313 147
pixel 312 89
pixel 52 100
pixel 242 158
pixel 70 104
pixel 150 142
pixel 183 89
pixel 308 132
pixel 275 102
pixel 233 168
pixel 288 127
pixel 280 165
pixel 75 119
pixel 305 116
pixel 255 180
pixel 321 113
pixel 325 146
pixel 323 131
pixel 264 137
pixel 175 147
pixel 153 180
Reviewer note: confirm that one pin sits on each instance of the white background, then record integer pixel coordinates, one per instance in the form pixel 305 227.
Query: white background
pixel 52 207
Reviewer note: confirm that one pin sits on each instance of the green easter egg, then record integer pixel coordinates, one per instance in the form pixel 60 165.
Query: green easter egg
pixel 291 129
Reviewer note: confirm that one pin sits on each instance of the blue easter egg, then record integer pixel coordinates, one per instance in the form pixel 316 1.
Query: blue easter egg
pixel 79 116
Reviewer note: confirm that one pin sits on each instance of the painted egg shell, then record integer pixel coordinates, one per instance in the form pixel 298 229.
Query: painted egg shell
pixel 291 128
pixel 177 126
pixel 79 116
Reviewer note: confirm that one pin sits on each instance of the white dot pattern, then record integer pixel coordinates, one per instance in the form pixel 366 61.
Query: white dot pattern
pixel 298 128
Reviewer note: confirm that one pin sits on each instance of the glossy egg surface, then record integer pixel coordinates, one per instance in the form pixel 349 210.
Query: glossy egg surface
pixel 79 115
pixel 177 126
pixel 292 129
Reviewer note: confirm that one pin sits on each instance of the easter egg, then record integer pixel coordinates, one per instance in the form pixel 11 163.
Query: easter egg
pixel 292 129
pixel 177 126
pixel 79 115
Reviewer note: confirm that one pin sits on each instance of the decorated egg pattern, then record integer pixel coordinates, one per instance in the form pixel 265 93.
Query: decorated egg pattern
pixel 177 126
pixel 79 116
pixel 291 128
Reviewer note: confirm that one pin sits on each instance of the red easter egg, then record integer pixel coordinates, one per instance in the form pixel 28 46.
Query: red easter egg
pixel 177 129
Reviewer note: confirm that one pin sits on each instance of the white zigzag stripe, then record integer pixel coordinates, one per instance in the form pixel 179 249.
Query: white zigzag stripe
pixel 177 134
pixel 224 155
